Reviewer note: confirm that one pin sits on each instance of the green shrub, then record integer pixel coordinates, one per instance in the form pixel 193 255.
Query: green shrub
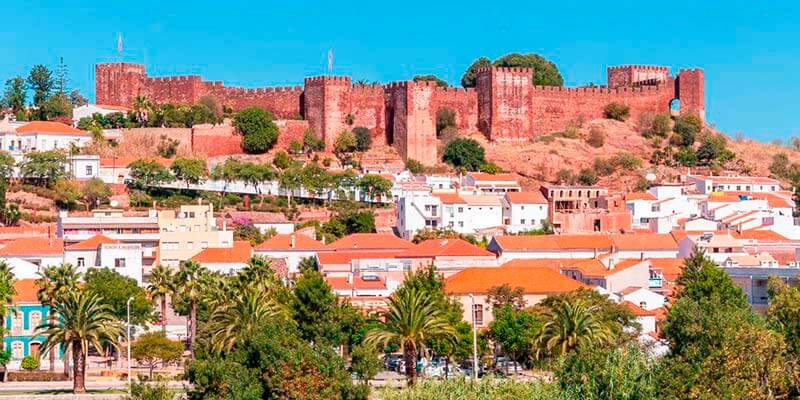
pixel 464 153
pixel 445 118
pixel 587 177
pixel 565 177
pixel 617 111
pixel 258 131
pixel 570 132
pixel 463 389
pixel 30 363
pixel 363 138
pixel 491 168
pixel 414 166
pixel 597 138
pixel 654 125
pixel 686 157
pixel 627 161
pixel 604 167
pixel 688 127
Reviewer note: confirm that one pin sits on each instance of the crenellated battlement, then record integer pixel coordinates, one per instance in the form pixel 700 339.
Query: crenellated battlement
pixel 455 89
pixel 640 67
pixel 336 80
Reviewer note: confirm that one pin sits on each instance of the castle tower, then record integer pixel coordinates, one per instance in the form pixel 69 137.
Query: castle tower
pixel 327 105
pixel 505 98
pixel 118 83
pixel 633 75
pixel 413 123
pixel 690 90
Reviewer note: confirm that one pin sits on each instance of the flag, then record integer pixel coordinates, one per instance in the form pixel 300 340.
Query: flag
pixel 330 60
pixel 119 43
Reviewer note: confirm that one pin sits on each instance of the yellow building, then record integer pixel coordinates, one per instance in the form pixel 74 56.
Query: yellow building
pixel 188 231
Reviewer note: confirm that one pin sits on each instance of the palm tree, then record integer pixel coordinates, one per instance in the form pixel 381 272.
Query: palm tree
pixel 242 317
pixel 141 107
pixel 54 283
pixel 84 320
pixel 413 318
pixel 162 285
pixel 571 325
pixel 188 286
pixel 258 273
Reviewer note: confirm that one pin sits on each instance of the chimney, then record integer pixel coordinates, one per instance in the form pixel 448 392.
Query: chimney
pixel 293 242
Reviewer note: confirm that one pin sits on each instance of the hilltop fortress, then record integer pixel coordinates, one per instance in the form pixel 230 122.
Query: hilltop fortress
pixel 504 105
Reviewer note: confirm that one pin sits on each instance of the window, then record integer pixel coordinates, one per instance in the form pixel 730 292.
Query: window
pixel 119 263
pixel 477 314
pixel 643 305
pixel 460 224
pixel 89 170
pixel 190 245
pixel 17 351
pixel 461 209
pixel 16 321
pixel 81 262
pixel 203 245
pixel 34 320
pixel 522 221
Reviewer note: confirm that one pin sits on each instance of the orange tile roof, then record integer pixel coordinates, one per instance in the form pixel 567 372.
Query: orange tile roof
pixel 722 197
pixel 671 268
pixel 283 242
pixel 783 257
pixel 773 200
pixel 240 252
pixel 51 128
pixel 640 312
pixel 92 243
pixel 345 257
pixel 595 268
pixel 450 198
pixel 447 248
pixel 639 196
pixel 27 291
pixel 553 242
pixel 534 197
pixel 341 283
pixel 532 280
pixel 370 241
pixel 33 246
pixel 644 241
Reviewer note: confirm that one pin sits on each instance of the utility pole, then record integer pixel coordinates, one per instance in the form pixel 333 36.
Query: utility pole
pixel 128 307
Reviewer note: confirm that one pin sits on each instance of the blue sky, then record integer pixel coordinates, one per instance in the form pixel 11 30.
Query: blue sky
pixel 750 53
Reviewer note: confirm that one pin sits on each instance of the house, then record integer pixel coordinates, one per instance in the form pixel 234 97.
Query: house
pixel 565 246
pixel 370 242
pixel 263 221
pixel 707 184
pixel 40 251
pixel 125 227
pixel 291 247
pixel 607 271
pixel 644 245
pixel 388 264
pixel 524 211
pixel 103 252
pixel 227 260
pixel 88 110
pixel 114 170
pixel 492 183
pixel 580 209
pixel 664 274
pixel 26 314
pixel 472 285
pixel 41 136
pixel 448 255
pixel 718 246
pixel 187 231
pixel 369 286
pixel 645 299
pixel 649 320
pixel 463 213
pixel 83 166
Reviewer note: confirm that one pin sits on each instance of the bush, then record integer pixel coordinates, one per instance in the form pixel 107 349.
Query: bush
pixel 463 389
pixel 688 127
pixel 587 177
pixel 311 143
pixel 445 118
pixel 37 376
pixel 414 166
pixel 30 363
pixel 363 138
pixel 597 138
pixel 168 147
pixel 570 132
pixel 565 177
pixel 258 131
pixel 430 78
pixel 779 167
pixel 464 153
pixel 491 168
pixel 617 111
pixel 686 157
pixel 604 167
pixel 714 148
pixel 154 391
pixel 654 125
pixel 627 161
pixel 295 147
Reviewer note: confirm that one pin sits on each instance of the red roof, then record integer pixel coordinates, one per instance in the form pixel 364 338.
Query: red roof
pixel 284 242
pixel 341 283
pixel 553 242
pixel 671 268
pixel 27 291
pixel 447 248
pixel 92 243
pixel 532 280
pixel 345 257
pixel 110 107
pixel 239 253
pixel 644 241
pixel 450 198
pixel 370 241
pixel 535 197
pixel 639 196
pixel 51 128
pixel 33 246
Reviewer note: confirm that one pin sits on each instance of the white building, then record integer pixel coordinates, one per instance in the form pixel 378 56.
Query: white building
pixel 83 166
pixel 524 211
pixel 492 183
pixel 103 252
pixel 88 110
pixel 292 247
pixel 41 136
pixel 463 213
pixel 717 246
pixel 709 184
pixel 40 251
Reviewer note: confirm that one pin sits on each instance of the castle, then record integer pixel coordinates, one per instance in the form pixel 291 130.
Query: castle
pixel 505 105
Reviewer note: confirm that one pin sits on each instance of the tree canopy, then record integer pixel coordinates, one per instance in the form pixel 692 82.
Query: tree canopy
pixel 544 72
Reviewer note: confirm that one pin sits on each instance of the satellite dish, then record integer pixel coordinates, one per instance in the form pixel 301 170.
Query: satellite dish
pixel 650 177
pixel 114 203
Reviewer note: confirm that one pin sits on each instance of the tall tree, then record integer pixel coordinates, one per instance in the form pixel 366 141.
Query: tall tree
pixel 40 81
pixel 413 317
pixel 83 320
pixel 54 283
pixel 44 167
pixel 188 287
pixel 189 170
pixel 14 94
pixel 516 332
pixel 161 285
pixel 62 78
pixel 115 289
pixel 241 318
pixel 572 325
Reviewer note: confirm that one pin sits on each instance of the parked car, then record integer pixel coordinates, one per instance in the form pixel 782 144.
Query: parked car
pixel 466 366
pixel 505 367
pixel 390 361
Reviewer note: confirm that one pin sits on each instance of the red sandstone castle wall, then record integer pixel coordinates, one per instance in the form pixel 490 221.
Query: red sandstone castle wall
pixel 691 92
pixel 327 105
pixel 282 102
pixel 414 121
pixel 464 102
pixel 505 103
pixel 289 130
pixel 367 106
pixel 629 75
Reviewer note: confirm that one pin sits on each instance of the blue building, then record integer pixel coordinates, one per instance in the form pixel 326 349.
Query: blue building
pixel 23 317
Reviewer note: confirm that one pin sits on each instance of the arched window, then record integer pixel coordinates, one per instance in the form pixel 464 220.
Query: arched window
pixel 17 350
pixel 34 320
pixel 16 321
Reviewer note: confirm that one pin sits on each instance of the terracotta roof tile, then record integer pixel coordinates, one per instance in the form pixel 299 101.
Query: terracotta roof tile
pixel 639 196
pixel 240 252
pixel 535 197
pixel 482 176
pixel 283 242
pixel 341 283
pixel 33 246
pixel 370 241
pixel 532 280
pixel 671 268
pixel 450 198
pixel 447 248
pixel 553 242
pixel 92 243
pixel 51 128
pixel 27 291
pixel 345 257
pixel 644 241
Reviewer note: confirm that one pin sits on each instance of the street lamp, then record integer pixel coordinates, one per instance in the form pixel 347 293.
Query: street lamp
pixel 474 340
pixel 128 307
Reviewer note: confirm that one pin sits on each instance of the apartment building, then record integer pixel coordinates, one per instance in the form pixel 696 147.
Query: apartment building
pixel 189 230
pixel 707 184
pixel 463 213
